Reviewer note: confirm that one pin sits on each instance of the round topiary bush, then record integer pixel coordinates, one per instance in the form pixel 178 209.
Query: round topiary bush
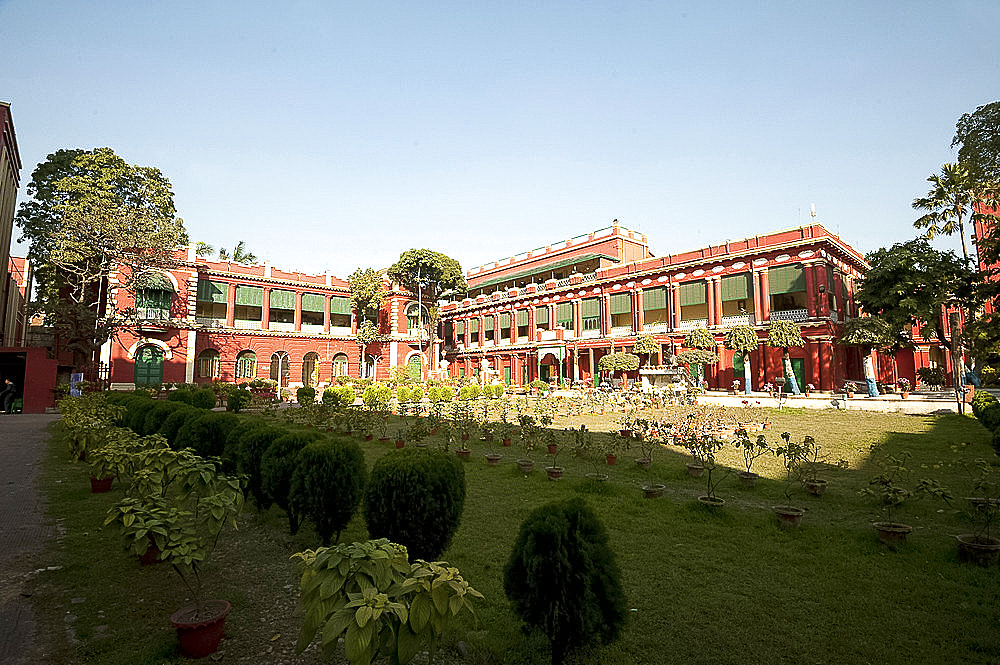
pixel 277 464
pixel 562 578
pixel 327 485
pixel 185 395
pixel 249 441
pixel 155 416
pixel 990 417
pixel 204 398
pixel 415 497
pixel 237 400
pixel 176 420
pixel 980 401
pixel 305 395
pixel 207 435
pixel 137 410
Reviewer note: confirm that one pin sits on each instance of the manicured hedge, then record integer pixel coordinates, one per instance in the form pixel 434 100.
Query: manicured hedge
pixel 277 464
pixel 250 441
pixel 207 435
pixel 155 416
pixel 415 497
pixel 172 425
pixel 327 485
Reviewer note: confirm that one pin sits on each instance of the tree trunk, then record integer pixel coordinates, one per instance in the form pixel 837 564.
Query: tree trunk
pixel 786 361
pixel 746 373
pixel 869 365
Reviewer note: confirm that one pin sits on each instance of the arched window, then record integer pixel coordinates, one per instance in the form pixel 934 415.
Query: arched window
pixel 369 367
pixel 310 369
pixel 340 365
pixel 246 365
pixel 209 364
pixel 153 294
pixel 413 367
pixel 279 368
pixel 413 317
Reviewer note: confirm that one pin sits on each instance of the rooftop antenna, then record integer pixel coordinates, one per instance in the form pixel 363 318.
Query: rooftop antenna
pixel 812 211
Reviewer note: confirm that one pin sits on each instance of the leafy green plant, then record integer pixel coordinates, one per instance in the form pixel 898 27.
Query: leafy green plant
pixel 305 395
pixel 752 449
pixel 890 486
pixel 277 465
pixel 562 578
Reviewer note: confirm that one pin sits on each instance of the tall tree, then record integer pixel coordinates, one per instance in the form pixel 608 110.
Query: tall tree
pixel 743 340
pixel 704 345
pixel 429 274
pixel 646 345
pixel 783 334
pixel 91 215
pixel 368 295
pixel 955 198
pixel 977 137
pixel 911 283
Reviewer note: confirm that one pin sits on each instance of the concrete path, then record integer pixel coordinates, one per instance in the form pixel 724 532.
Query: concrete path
pixel 23 531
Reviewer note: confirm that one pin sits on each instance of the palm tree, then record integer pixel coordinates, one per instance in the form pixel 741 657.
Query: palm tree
pixel 952 200
pixel 743 339
pixel 203 249
pixel 239 255
pixel 781 335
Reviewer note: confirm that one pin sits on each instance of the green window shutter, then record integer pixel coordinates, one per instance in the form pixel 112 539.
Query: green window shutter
pixel 786 279
pixel 459 327
pixel 590 308
pixel 564 314
pixel 153 299
pixel 522 317
pixel 281 299
pixel 474 326
pixel 654 299
pixel 249 295
pixel 734 287
pixel 209 291
pixel 621 303
pixel 312 302
pixel 542 316
pixel 488 324
pixel 339 305
pixel 693 293
pixel 505 319
pixel 845 293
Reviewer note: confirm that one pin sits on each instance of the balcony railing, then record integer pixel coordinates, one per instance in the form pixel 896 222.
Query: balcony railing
pixel 730 321
pixel 661 326
pixel 152 313
pixel 210 323
pixel 243 324
pixel 620 331
pixel 284 327
pixel 691 324
pixel 796 315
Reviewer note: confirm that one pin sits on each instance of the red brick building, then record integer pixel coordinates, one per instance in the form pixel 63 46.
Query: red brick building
pixel 205 320
pixel 555 311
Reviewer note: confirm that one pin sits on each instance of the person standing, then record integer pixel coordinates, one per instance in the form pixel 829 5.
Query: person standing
pixel 8 396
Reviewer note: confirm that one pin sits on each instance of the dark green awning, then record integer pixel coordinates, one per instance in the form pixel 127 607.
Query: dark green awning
pixel 544 268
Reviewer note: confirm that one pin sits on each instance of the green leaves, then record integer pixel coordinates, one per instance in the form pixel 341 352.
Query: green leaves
pixel 783 334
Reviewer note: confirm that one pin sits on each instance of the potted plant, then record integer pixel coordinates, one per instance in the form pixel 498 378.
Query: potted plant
pixel 703 449
pixel 611 445
pixel 752 450
pixel 553 471
pixel 809 388
pixel 528 438
pixel 904 387
pixel 791 454
pixel 645 433
pixel 889 488
pixel 849 389
pixel 980 547
pixel 813 461
pixel 184 518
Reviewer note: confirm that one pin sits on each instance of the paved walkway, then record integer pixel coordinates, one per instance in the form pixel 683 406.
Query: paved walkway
pixel 23 531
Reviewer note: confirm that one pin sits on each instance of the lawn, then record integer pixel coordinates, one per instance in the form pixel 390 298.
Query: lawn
pixel 703 585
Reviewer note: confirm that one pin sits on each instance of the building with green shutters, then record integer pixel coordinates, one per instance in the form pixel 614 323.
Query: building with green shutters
pixel 575 301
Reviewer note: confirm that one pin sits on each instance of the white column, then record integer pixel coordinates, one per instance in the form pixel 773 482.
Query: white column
pixel 189 361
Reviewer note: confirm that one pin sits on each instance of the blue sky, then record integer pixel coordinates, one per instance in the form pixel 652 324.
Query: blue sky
pixel 334 135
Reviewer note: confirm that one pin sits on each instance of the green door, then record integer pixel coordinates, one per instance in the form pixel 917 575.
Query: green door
pixel 413 368
pixel 506 374
pixel 799 370
pixel 738 367
pixel 148 367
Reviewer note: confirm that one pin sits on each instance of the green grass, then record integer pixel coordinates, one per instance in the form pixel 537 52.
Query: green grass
pixel 704 586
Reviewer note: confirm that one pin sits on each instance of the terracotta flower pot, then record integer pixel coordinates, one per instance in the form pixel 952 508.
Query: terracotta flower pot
pixel 101 485
pixel 463 453
pixel 815 487
pixel 789 517
pixel 748 479
pixel 644 462
pixel 695 470
pixel 554 472
pixel 611 459
pixel 400 444
pixel 506 442
pixel 199 632
pixel 553 448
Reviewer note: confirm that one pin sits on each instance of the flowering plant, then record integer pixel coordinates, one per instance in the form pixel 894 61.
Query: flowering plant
pixel 768 387
pixel 810 386
pixel 850 387
pixel 903 383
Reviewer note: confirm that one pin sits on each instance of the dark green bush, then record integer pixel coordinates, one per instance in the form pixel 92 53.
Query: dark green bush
pixel 237 400
pixel 980 401
pixel 250 440
pixel 207 435
pixel 204 398
pixel 327 485
pixel 277 464
pixel 990 417
pixel 185 395
pixel 562 578
pixel 176 420
pixel 996 441
pixel 155 416
pixel 415 497
pixel 137 410
pixel 305 395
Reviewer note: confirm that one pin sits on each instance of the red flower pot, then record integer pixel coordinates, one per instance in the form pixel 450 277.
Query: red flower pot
pixel 199 632
pixel 400 444
pixel 611 459
pixel 101 485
